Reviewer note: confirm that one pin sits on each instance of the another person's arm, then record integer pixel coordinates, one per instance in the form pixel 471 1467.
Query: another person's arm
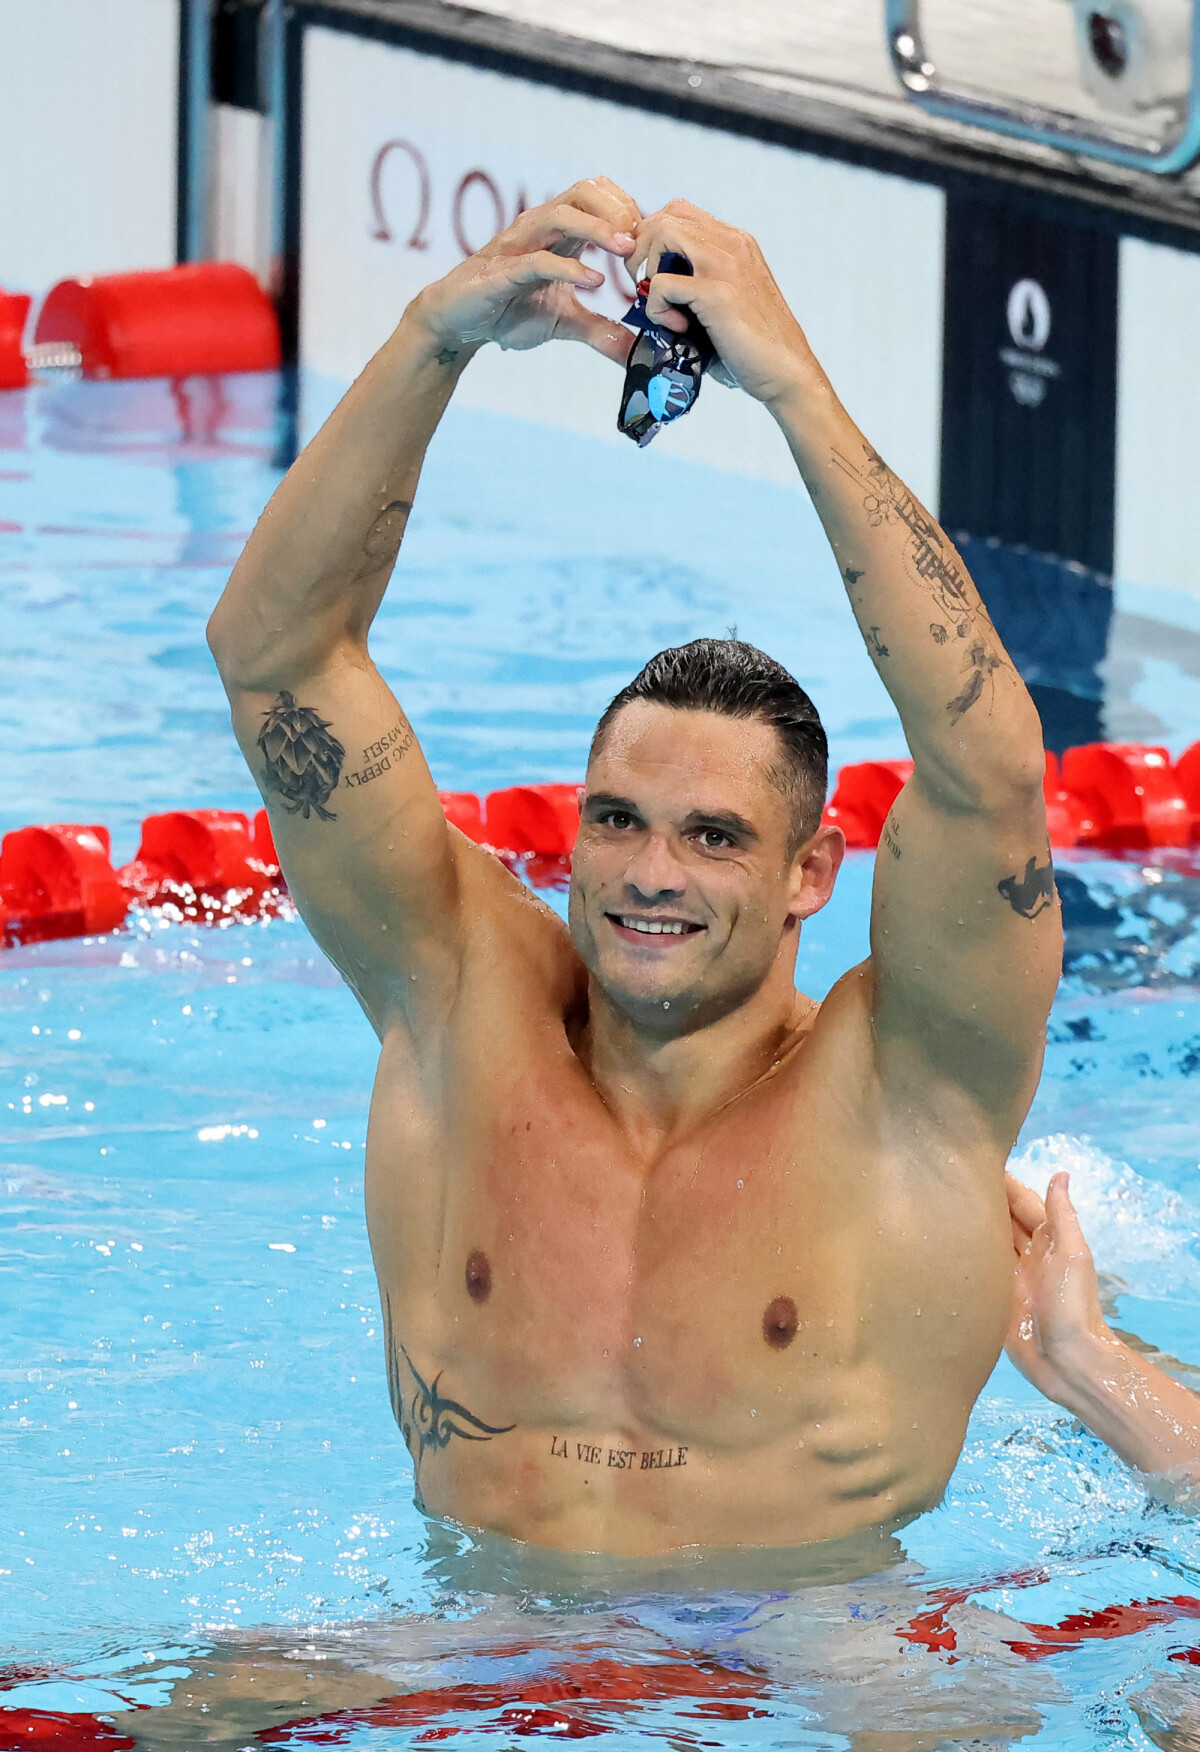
pixel 1060 1340
pixel 966 942
pixel 355 814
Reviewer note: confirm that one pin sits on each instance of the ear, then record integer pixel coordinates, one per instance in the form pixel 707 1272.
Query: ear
pixel 814 871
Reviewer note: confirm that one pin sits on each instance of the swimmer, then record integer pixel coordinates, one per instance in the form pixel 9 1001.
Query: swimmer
pixel 669 1254
pixel 1060 1340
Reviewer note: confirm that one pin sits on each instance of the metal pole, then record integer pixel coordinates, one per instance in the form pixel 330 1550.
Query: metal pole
pixel 273 96
pixel 195 27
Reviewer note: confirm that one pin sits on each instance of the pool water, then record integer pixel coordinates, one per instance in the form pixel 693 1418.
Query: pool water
pixel 196 1444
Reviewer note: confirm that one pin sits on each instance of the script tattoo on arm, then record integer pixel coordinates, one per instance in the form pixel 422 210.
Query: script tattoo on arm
pixel 428 1420
pixel 1031 893
pixel 935 565
pixel 303 761
pixel 382 542
pixel 378 757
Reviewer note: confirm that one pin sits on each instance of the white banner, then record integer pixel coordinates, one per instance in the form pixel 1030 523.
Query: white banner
pixel 411 162
pixel 88 143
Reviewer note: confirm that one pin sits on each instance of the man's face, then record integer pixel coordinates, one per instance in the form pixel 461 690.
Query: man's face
pixel 683 895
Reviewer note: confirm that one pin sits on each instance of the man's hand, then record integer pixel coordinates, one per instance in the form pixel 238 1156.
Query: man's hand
pixel 1056 1313
pixel 520 289
pixel 733 293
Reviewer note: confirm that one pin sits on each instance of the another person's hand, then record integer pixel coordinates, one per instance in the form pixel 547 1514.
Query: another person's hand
pixel 1056 1312
pixel 520 289
pixel 733 293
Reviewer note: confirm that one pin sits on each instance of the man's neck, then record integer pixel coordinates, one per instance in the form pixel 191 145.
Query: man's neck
pixel 659 1087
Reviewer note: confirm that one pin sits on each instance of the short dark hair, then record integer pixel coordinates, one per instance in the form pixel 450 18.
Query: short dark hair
pixel 740 681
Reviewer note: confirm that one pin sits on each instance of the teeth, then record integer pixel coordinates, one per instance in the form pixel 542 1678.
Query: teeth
pixel 653 927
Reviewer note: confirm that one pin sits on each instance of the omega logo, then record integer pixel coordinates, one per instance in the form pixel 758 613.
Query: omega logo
pixel 1029 318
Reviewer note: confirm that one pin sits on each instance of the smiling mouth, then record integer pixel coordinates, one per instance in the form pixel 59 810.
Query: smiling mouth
pixel 633 926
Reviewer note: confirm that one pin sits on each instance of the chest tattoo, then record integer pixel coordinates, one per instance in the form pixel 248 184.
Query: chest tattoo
pixel 428 1419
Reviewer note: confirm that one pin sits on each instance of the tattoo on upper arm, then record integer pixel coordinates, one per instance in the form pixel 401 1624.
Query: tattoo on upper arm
pixel 852 574
pixel 891 836
pixel 935 566
pixel 447 356
pixel 1031 893
pixel 428 1420
pixel 382 541
pixel 875 644
pixel 938 633
pixel 303 761
pixel 378 757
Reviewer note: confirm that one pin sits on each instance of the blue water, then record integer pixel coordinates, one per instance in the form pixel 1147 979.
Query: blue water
pixel 195 1439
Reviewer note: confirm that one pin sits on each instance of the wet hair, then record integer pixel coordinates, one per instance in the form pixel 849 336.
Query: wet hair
pixel 737 680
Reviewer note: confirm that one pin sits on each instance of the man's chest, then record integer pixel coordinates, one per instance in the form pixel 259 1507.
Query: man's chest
pixel 740 1277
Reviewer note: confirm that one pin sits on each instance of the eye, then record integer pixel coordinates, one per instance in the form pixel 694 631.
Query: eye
pixel 713 839
pixel 618 818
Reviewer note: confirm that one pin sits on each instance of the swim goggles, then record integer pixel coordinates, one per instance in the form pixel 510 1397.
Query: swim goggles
pixel 664 369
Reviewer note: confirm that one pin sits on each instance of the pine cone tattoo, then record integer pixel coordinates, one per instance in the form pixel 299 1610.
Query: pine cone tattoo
pixel 304 762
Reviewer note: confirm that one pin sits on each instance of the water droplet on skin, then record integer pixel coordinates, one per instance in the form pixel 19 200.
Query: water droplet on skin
pixel 741 1183
pixel 637 1343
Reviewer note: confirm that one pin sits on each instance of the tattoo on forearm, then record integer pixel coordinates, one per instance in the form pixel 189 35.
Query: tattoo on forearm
pixel 875 644
pixel 303 761
pixel 620 1459
pixel 1031 893
pixel 447 356
pixel 428 1420
pixel 935 565
pixel 379 757
pixel 981 664
pixel 382 542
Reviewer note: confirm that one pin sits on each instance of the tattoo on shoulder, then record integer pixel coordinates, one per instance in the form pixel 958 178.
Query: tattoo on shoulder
pixel 382 541
pixel 935 566
pixel 428 1420
pixel 1031 893
pixel 303 761
pixel 379 757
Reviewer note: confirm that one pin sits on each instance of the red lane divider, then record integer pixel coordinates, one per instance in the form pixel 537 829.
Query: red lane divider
pixel 864 794
pixel 536 1705
pixel 14 308
pixel 48 1732
pixel 170 322
pixel 214 864
pixel 57 882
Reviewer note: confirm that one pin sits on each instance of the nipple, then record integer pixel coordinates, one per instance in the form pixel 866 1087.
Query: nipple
pixel 779 1323
pixel 479 1276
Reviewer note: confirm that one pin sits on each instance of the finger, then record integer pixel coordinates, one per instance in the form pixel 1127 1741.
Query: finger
pixel 671 294
pixel 596 332
pixel 565 228
pixel 1061 1216
pixel 543 265
pixel 606 200
pixel 1025 1207
pixel 702 240
pixel 1021 1238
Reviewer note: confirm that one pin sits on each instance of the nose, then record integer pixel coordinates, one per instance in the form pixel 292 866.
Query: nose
pixel 653 874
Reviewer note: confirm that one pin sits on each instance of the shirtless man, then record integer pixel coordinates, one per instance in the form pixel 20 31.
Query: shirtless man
pixel 668 1253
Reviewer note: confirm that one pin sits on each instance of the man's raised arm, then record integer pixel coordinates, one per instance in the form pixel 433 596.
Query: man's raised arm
pixel 966 942
pixel 360 832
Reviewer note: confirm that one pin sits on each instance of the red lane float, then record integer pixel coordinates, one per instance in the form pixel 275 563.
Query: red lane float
pixel 1131 793
pixel 172 322
pixel 864 794
pixel 58 882
pixel 14 308
pixel 204 862
pixel 463 811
